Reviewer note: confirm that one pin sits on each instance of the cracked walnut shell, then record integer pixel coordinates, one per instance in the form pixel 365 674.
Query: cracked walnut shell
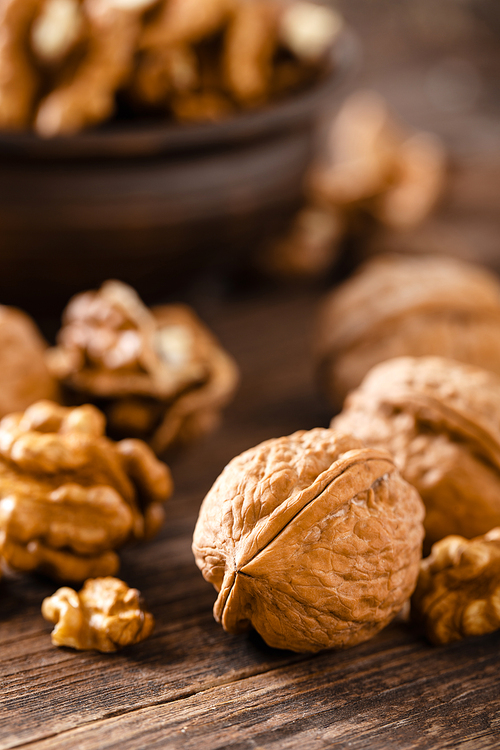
pixel 158 374
pixel 407 306
pixel 458 589
pixel 105 615
pixel 312 539
pixel 69 497
pixel 440 420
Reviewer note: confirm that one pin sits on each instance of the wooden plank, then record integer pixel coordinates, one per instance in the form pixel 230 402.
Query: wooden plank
pixel 395 692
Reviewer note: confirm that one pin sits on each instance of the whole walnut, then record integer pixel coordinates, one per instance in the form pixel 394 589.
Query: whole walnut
pixel 157 374
pixel 69 497
pixel 440 419
pixel 24 376
pixel 312 539
pixel 105 615
pixel 458 589
pixel 407 306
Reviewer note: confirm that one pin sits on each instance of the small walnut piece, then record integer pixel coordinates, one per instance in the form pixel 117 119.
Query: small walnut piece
pixel 105 616
pixel 312 539
pixel 402 305
pixel 440 420
pixel 458 589
pixel 158 374
pixel 69 497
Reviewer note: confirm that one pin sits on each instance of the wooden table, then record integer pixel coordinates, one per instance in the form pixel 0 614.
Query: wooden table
pixel 192 685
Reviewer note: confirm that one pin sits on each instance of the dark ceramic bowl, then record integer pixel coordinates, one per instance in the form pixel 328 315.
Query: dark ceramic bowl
pixel 153 205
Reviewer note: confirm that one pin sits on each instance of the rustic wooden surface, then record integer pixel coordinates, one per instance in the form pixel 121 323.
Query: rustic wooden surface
pixel 193 686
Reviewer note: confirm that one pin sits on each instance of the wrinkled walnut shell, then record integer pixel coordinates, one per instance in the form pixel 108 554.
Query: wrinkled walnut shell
pixel 440 420
pixel 69 497
pixel 312 539
pixel 158 374
pixel 105 616
pixel 458 589
pixel 407 306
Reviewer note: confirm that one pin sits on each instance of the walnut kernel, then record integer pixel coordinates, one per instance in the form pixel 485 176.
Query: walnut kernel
pixel 458 589
pixel 105 616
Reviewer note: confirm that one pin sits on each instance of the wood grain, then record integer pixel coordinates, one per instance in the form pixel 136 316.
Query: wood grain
pixel 191 685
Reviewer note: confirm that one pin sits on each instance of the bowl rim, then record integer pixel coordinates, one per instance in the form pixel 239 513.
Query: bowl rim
pixel 118 140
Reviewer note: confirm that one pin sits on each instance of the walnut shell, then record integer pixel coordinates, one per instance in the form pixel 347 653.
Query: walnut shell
pixel 312 539
pixel 158 374
pixel 407 306
pixel 69 497
pixel 440 420
pixel 24 376
pixel 458 589
pixel 105 616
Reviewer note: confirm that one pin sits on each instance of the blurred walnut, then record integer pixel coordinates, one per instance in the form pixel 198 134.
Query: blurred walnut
pixel 373 162
pixel 69 496
pixel 24 377
pixel 312 539
pixel 401 305
pixel 105 615
pixel 458 590
pixel 158 374
pixel 441 421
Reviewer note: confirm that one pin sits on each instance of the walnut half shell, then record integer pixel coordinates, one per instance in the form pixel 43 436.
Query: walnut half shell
pixel 312 539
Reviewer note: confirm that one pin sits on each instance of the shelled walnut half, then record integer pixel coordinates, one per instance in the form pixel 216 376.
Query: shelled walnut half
pixel 440 419
pixel 69 497
pixel 458 590
pixel 312 539
pixel 399 305
pixel 105 616
pixel 158 374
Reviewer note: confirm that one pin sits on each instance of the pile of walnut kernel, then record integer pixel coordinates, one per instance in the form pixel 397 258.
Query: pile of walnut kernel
pixel 70 496
pixel 63 62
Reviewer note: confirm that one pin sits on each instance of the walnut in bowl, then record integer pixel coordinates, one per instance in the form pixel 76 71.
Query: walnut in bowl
pixel 398 306
pixel 312 539
pixel 440 420
pixel 158 374
pixel 69 497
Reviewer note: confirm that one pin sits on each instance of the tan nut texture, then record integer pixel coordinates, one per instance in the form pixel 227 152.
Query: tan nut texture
pixel 397 306
pixel 69 497
pixel 458 589
pixel 312 539
pixel 24 376
pixel 440 420
pixel 158 374
pixel 105 615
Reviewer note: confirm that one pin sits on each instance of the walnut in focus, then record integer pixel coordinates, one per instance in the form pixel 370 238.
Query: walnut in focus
pixel 402 305
pixel 158 374
pixel 312 539
pixel 69 497
pixel 440 419
pixel 458 589
pixel 24 376
pixel 105 616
